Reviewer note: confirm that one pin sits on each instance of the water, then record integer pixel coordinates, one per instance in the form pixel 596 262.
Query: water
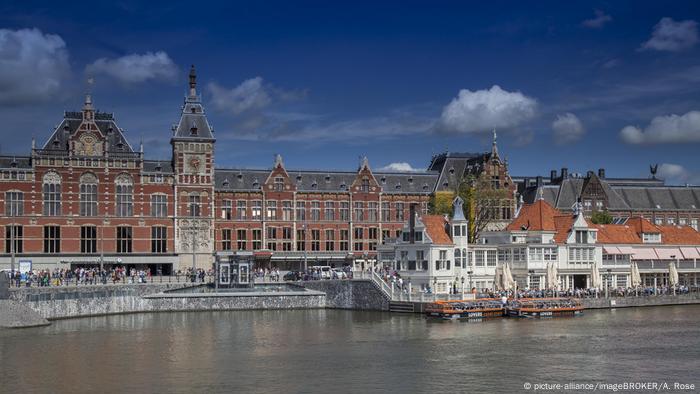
pixel 324 351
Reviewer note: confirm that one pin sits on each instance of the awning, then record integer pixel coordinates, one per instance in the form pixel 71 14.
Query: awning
pixel 625 250
pixel 611 250
pixel 644 254
pixel 690 253
pixel 668 253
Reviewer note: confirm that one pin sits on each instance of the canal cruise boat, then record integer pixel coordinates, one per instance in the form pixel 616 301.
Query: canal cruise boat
pixel 543 307
pixel 465 309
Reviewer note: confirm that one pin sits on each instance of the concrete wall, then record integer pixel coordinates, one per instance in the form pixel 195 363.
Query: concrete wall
pixel 627 302
pixel 351 294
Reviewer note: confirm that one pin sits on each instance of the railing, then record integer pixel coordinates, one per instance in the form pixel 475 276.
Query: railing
pixel 395 294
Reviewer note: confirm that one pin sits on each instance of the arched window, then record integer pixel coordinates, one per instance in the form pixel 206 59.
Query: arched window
pixel 125 195
pixel 458 258
pixel 464 258
pixel 52 194
pixel 88 194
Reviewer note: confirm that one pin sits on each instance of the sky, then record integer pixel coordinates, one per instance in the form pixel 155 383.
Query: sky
pixel 582 85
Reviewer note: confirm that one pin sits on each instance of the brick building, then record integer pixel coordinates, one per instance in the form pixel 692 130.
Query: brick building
pixel 87 196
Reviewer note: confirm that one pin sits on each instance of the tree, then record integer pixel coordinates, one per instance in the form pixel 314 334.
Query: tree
pixel 481 203
pixel 601 217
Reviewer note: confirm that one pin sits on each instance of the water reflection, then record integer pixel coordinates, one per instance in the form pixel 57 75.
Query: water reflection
pixel 344 351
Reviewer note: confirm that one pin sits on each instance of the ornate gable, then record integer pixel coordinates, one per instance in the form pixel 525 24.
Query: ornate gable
pixel 365 182
pixel 278 180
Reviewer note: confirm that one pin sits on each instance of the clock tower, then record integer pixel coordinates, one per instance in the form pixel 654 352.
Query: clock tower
pixel 193 162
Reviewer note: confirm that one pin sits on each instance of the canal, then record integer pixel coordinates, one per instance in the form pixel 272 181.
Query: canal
pixel 323 351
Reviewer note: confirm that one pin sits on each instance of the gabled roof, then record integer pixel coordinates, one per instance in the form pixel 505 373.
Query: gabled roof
pixel 436 227
pixel 106 123
pixel 538 216
pixel 642 225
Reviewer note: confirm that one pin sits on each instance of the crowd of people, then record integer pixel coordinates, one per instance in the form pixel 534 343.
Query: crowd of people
pixel 94 276
pixel 267 274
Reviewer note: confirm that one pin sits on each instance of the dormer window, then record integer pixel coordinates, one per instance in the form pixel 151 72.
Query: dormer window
pixel 383 180
pixel 581 236
pixel 410 180
pixel 445 184
pixel 225 183
pixel 298 178
pixel 314 185
pixel 194 110
pixel 256 184
pixel 120 145
pixel 328 178
pixel 194 131
pixel 239 176
pixel 343 186
pixel 398 186
pixel 425 186
pixel 452 170
pixel 651 238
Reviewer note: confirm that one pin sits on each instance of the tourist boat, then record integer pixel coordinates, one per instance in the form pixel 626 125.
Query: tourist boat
pixel 543 307
pixel 465 309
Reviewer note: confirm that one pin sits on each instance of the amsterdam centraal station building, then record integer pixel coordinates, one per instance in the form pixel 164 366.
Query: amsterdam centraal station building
pixel 87 197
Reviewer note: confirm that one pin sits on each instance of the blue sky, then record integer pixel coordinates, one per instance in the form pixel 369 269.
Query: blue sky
pixel 581 85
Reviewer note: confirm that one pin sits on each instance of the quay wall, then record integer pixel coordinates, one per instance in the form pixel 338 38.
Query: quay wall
pixel 628 302
pixel 351 294
pixel 66 302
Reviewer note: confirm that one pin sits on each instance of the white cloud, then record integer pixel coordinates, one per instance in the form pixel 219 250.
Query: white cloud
pixel 665 129
pixel 398 167
pixel 250 95
pixel 32 65
pixel 669 35
pixel 677 174
pixel 601 18
pixel 136 68
pixel 484 110
pixel 567 128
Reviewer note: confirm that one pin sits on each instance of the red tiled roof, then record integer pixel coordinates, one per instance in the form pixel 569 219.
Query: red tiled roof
pixel 642 225
pixel 679 235
pixel 617 234
pixel 435 226
pixel 563 224
pixel 538 216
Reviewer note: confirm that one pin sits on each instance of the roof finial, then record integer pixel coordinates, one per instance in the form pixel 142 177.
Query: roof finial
pixel 364 162
pixel 578 207
pixel 494 147
pixel 193 81
pixel 278 161
pixel 540 193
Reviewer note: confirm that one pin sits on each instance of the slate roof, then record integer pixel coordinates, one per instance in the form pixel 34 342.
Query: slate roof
pixel 328 181
pixel 106 123
pixel 158 166
pixel 453 166
pixel 193 117
pixel 620 197
pixel 15 162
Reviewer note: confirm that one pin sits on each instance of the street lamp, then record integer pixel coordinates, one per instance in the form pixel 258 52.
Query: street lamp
pixel 607 282
pixel 462 287
pixel 469 276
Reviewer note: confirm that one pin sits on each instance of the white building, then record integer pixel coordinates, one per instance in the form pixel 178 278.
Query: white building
pixel 540 235
pixel 431 252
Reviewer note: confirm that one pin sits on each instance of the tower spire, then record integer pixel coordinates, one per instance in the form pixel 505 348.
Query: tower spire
pixel 193 82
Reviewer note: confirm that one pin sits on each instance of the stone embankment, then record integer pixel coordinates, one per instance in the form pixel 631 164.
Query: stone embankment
pixel 652 300
pixel 26 307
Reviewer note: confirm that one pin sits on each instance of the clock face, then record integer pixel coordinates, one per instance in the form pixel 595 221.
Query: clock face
pixel 194 164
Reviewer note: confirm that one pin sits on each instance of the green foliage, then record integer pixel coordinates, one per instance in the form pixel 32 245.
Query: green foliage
pixel 601 217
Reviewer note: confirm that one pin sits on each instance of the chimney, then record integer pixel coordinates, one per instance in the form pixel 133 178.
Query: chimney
pixel 589 174
pixel 601 173
pixel 564 173
pixel 412 223
pixel 539 181
pixel 526 182
pixel 552 175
